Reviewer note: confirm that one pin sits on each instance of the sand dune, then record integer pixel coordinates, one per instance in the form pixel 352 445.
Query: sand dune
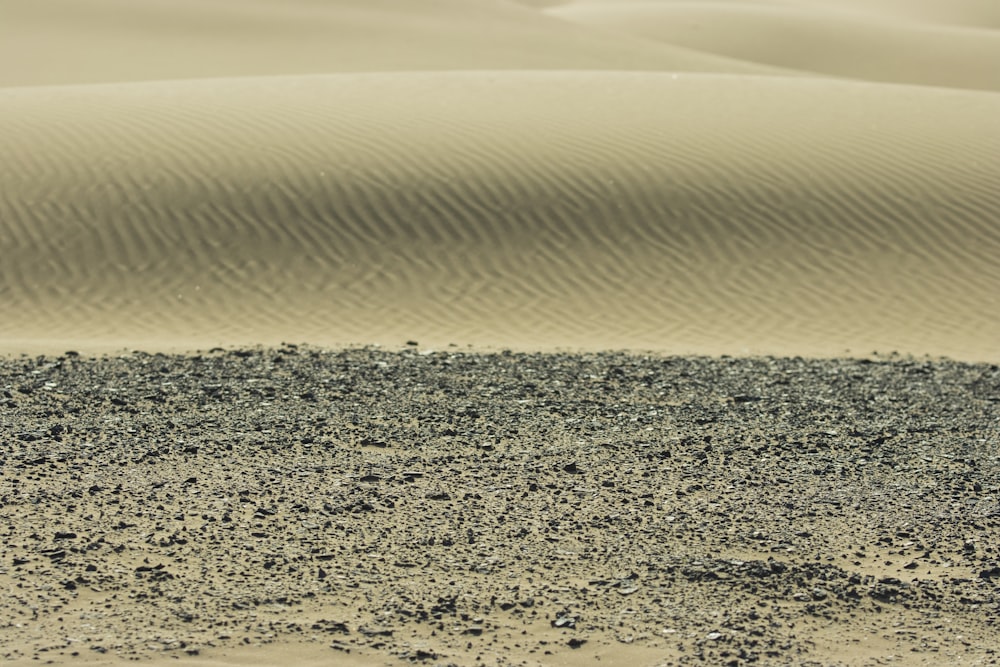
pixel 817 40
pixel 970 13
pixel 551 209
pixel 69 42
pixel 534 174
pixel 982 14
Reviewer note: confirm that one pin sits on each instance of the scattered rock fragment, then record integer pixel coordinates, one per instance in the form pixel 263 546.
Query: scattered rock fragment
pixel 436 502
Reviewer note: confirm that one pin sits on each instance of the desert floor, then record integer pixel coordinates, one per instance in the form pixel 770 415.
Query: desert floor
pixel 518 509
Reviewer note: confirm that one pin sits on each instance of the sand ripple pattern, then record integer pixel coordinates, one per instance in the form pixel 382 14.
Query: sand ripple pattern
pixel 679 212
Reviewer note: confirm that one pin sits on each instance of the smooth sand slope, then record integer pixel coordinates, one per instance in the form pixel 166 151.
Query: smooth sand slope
pixel 67 41
pixel 824 41
pixel 255 172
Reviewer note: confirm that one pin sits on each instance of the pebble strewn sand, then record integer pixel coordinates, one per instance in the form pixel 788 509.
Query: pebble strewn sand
pixel 456 508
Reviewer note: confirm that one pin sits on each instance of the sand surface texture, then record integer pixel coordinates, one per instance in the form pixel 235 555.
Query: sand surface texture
pixel 507 509
pixel 748 177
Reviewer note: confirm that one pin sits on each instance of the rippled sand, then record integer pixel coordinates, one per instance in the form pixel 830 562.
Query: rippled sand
pixel 803 178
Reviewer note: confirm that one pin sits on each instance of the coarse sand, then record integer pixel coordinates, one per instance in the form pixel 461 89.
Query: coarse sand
pixel 512 509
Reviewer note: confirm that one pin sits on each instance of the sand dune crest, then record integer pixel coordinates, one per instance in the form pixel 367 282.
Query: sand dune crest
pixel 816 40
pixel 56 42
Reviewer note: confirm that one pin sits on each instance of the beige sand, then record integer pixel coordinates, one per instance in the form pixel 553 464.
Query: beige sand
pixel 580 209
pixel 262 171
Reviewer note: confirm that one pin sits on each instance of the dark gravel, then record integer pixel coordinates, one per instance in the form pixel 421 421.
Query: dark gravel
pixel 449 507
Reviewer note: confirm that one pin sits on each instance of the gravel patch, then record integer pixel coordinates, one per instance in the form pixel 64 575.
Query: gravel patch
pixel 457 508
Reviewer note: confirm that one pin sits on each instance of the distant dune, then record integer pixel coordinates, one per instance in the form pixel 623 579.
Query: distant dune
pixel 814 40
pixel 793 178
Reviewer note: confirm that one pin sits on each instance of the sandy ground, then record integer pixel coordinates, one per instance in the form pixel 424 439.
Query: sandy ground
pixel 509 509
pixel 804 179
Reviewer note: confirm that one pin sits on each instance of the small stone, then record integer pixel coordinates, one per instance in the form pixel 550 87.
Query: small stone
pixel 375 632
pixel 423 654
pixel 564 622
